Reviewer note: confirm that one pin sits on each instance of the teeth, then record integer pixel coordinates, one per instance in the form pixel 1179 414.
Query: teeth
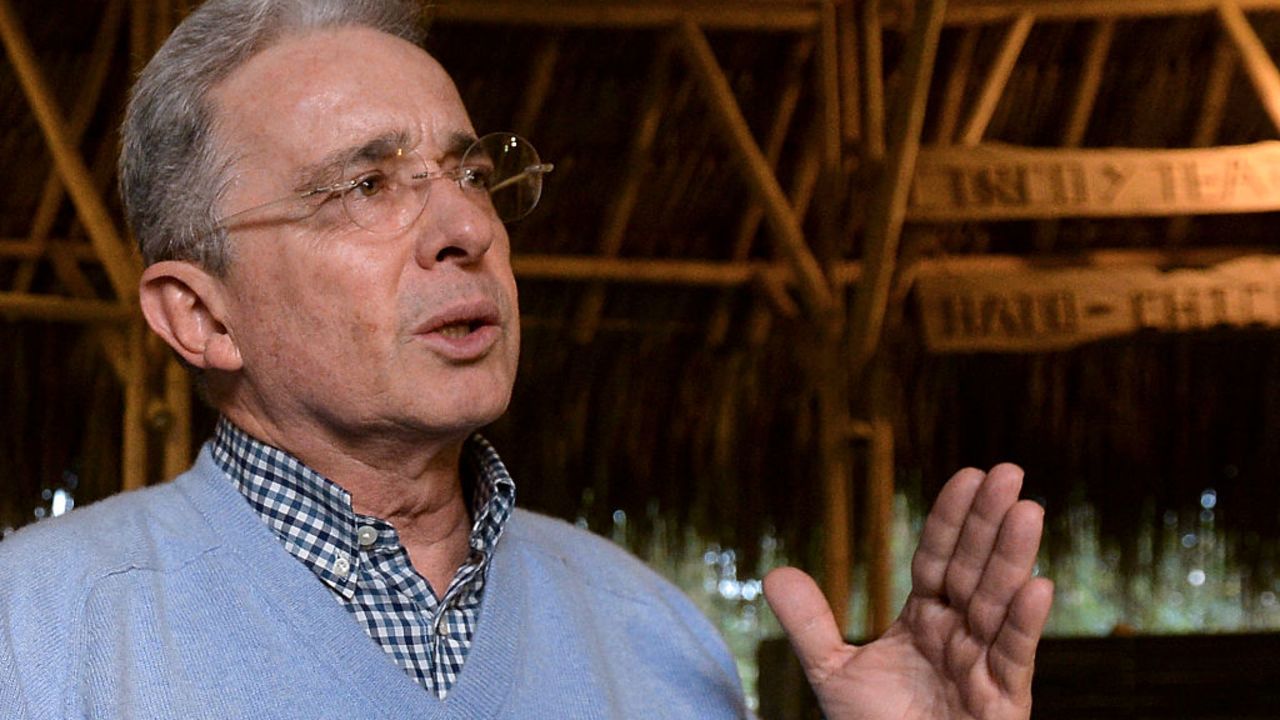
pixel 457 330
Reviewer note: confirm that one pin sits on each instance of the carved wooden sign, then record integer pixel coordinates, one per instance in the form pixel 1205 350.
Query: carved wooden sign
pixel 994 182
pixel 968 308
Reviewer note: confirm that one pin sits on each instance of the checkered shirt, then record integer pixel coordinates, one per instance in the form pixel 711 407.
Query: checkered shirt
pixel 360 558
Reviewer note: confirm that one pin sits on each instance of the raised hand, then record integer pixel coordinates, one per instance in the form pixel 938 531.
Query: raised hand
pixel 964 645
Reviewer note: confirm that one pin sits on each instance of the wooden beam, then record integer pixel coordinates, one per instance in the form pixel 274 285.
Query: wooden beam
pixel 753 215
pixel 723 15
pixel 979 12
pixel 956 88
pixel 850 82
pixel 177 398
pixel 785 227
pixel 1212 112
pixel 997 79
pixel 541 73
pixel 1257 61
pixel 623 203
pixel 692 273
pixel 121 268
pixel 22 249
pixel 1086 93
pixel 889 206
pixel 104 46
pixel 879 511
pixel 56 309
pixel 873 106
pixel 133 472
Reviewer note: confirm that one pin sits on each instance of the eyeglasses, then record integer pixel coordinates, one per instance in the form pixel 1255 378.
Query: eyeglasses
pixel 384 188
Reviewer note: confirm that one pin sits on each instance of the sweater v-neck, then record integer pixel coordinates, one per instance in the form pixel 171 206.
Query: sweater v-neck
pixel 334 639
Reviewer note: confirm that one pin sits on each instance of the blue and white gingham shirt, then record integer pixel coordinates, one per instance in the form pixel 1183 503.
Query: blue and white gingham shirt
pixel 360 557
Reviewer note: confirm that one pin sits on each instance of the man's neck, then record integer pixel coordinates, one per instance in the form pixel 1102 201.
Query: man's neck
pixel 415 486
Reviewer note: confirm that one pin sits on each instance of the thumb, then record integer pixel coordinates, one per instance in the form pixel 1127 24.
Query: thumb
pixel 808 621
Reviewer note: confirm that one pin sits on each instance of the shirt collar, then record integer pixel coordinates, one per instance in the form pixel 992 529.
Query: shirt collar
pixel 313 516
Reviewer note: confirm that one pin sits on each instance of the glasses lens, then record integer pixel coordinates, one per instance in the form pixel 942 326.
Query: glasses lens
pixel 512 173
pixel 385 189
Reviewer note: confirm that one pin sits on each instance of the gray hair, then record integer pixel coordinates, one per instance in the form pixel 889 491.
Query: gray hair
pixel 172 171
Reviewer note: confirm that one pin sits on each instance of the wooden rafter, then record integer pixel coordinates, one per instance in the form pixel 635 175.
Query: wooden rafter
pixel 121 268
pixel 971 12
pixel 710 14
pixel 998 77
pixel 956 86
pixel 624 199
pixel 1257 61
pixel 541 74
pixel 786 231
pixel 779 128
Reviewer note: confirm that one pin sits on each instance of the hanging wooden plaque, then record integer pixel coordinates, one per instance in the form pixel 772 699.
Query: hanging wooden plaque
pixel 1002 182
pixel 966 307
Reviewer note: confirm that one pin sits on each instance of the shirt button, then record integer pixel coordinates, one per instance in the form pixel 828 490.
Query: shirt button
pixel 367 535
pixel 342 566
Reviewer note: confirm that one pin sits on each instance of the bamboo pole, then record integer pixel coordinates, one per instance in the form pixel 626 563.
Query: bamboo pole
pixel 541 72
pixel 134 441
pixel 880 490
pixel 1086 94
pixel 624 200
pixel 1257 61
pixel 749 224
pixel 956 87
pixel 104 46
pixel 888 209
pixel 59 309
pixel 120 267
pixel 177 398
pixel 785 227
pixel 837 481
pixel 873 107
pixel 723 15
pixel 850 82
pixel 24 249
pixel 1212 112
pixel 996 81
pixel 982 12
pixel 693 273
pixel 1082 102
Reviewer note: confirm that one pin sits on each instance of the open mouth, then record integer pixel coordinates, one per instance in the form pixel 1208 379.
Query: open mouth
pixel 462 329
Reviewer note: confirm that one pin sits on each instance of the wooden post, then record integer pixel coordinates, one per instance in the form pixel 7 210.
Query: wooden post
pixel 873 137
pixel 786 230
pixel 177 398
pixel 134 455
pixel 837 480
pixel 879 513
pixel 888 208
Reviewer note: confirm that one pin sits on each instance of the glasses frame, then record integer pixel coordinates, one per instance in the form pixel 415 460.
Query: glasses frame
pixel 460 174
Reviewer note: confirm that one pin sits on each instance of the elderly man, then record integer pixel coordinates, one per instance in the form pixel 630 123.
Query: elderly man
pixel 324 240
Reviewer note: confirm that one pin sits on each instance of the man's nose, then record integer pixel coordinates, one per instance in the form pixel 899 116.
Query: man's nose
pixel 457 225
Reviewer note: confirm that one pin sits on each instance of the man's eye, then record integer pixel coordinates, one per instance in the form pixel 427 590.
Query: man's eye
pixel 475 176
pixel 369 185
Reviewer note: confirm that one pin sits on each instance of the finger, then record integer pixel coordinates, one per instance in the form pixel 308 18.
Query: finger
pixel 942 532
pixel 1008 569
pixel 1013 656
pixel 981 526
pixel 807 619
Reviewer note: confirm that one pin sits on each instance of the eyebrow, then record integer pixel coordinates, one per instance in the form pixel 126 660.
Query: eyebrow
pixel 327 169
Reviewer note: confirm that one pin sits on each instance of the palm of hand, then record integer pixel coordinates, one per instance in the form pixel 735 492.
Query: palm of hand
pixel 964 645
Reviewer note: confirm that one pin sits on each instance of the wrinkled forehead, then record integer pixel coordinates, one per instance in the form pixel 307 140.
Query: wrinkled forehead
pixel 315 95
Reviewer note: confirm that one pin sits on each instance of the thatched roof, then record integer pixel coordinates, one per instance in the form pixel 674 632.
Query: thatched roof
pixel 690 385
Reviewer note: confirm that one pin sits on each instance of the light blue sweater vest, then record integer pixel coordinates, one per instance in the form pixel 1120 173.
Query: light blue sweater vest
pixel 176 602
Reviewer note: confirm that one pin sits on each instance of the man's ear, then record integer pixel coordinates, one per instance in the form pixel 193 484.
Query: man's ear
pixel 185 306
